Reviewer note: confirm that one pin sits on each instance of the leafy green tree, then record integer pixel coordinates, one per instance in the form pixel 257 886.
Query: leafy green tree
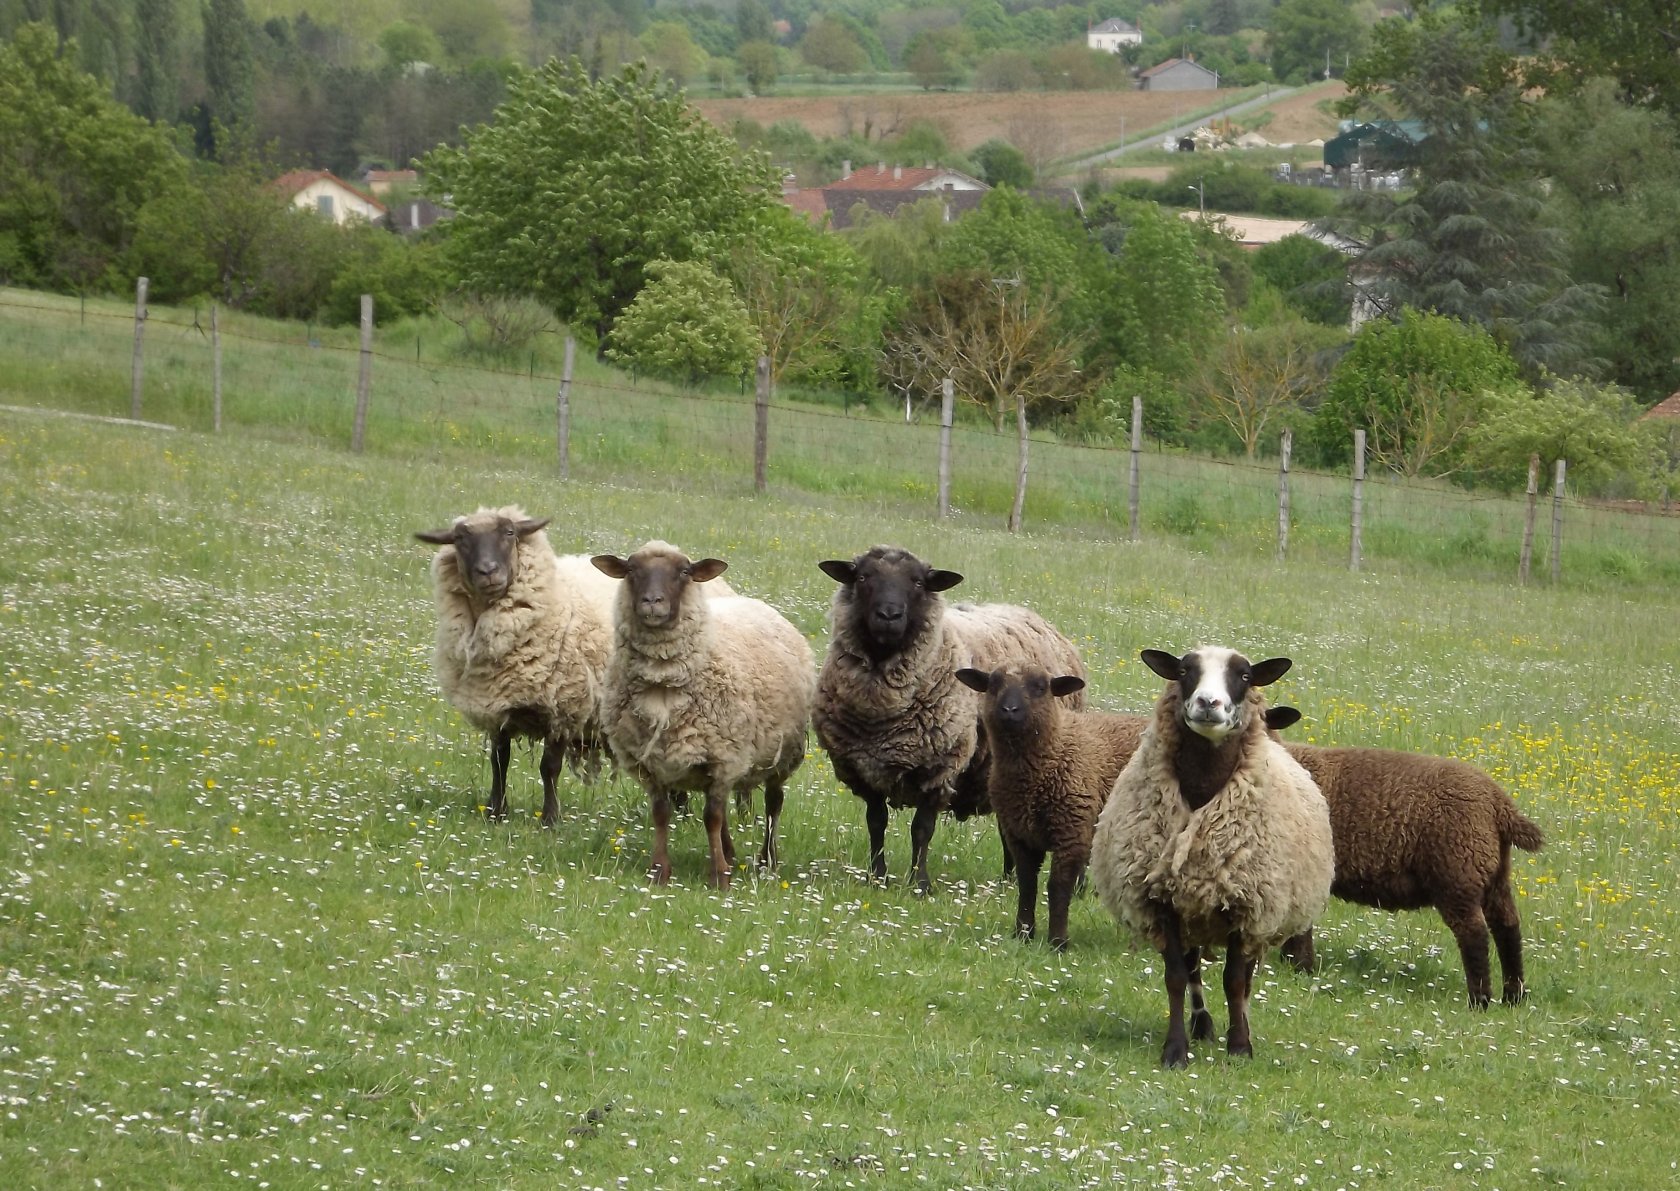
pixel 1636 42
pixel 1257 374
pixel 157 58
pixel 1591 426
pixel 1311 277
pixel 229 64
pixel 1013 237
pixel 468 29
pixel 687 323
pixel 671 51
pixel 829 45
pixel 1417 386
pixel 577 185
pixel 753 22
pixel 1306 34
pixel 903 251
pixel 1002 164
pixel 760 65
pixel 1614 170
pixel 404 42
pixel 75 168
pixel 1473 238
pixel 1171 306
pixel 932 60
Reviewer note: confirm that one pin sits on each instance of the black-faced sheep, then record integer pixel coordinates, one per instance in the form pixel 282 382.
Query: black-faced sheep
pixel 1213 836
pixel 702 694
pixel 1412 831
pixel 900 729
pixel 522 639
pixel 1051 771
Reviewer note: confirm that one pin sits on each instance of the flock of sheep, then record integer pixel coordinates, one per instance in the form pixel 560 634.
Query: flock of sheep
pixel 1201 828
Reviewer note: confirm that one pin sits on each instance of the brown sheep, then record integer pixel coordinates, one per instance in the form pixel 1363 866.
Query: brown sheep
pixel 1052 768
pixel 1413 830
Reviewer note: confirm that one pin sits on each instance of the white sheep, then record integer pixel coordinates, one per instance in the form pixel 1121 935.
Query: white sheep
pixel 522 640
pixel 1213 836
pixel 899 728
pixel 702 694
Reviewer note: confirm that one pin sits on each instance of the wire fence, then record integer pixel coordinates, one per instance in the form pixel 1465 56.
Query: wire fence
pixel 300 382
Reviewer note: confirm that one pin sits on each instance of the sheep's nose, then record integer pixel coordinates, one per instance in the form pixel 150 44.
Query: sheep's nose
pixel 1208 702
pixel 889 612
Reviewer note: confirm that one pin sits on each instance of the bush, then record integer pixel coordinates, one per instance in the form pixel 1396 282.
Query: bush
pixel 404 278
pixel 1590 426
pixel 688 324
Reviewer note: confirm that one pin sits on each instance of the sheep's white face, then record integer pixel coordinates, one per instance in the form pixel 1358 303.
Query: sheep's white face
pixel 1213 685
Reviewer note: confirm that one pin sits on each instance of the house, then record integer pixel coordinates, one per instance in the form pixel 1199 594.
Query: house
pixel 1178 74
pixel 883 191
pixel 1112 35
pixel 904 177
pixel 1380 145
pixel 325 193
pixel 382 182
pixel 1668 408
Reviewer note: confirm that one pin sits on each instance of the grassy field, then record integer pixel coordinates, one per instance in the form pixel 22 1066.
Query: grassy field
pixel 253 930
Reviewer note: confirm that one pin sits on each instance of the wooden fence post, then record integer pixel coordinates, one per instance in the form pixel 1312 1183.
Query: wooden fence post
pixel 563 411
pixel 1283 495
pixel 1356 533
pixel 215 371
pixel 1527 556
pixel 947 407
pixel 139 333
pixel 761 426
pixel 1137 453
pixel 364 378
pixel 1557 521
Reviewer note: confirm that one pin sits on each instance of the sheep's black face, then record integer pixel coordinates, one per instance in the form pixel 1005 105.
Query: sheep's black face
pixel 1019 702
pixel 657 581
pixel 1213 685
pixel 888 596
pixel 486 550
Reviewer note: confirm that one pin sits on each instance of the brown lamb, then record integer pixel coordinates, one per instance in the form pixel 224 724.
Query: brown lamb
pixel 1052 768
pixel 1413 830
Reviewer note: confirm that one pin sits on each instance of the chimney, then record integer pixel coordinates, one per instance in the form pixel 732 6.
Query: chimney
pixel 846 169
pixel 898 173
pixel 414 217
pixel 790 184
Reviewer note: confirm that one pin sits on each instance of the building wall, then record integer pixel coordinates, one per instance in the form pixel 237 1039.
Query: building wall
pixel 1110 43
pixel 345 205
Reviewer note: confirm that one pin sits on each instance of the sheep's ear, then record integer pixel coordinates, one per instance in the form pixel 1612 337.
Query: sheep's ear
pixel 1067 684
pixel 1269 671
pixel 529 526
pixel 706 568
pixel 942 580
pixel 1163 663
pixel 975 680
pixel 436 537
pixel 1279 718
pixel 611 564
pixel 839 570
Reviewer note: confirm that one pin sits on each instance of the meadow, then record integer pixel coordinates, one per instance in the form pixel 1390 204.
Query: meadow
pixel 254 931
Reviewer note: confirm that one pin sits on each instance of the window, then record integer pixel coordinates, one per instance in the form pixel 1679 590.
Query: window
pixel 324 204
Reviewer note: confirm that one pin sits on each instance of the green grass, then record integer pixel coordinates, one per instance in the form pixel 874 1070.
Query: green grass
pixel 252 929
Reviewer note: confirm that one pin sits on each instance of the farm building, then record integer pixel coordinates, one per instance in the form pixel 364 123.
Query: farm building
pixel 1384 145
pixel 325 193
pixel 1112 35
pixel 1178 74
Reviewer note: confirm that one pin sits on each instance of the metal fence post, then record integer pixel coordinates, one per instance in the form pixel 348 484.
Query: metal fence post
pixel 364 378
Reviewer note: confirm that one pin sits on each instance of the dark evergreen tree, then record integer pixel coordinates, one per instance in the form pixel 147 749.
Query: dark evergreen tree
pixel 157 58
pixel 229 65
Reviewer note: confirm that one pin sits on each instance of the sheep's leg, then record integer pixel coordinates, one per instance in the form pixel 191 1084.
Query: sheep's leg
pixel 1464 918
pixel 1500 908
pixel 875 815
pixel 921 838
pixel 1065 869
pixel 552 758
pixel 1028 860
pixel 501 752
pixel 1175 1052
pixel 717 829
pixel 769 859
pixel 1008 853
pixel 1201 1021
pixel 1239 978
pixel 1298 950
pixel 660 802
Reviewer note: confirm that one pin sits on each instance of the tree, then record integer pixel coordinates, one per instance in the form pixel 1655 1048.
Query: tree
pixel 1311 276
pixel 1636 42
pixel 1171 307
pixel 687 323
pixel 931 61
pixel 1417 387
pixel 404 42
pixel 1257 374
pixel 759 65
pixel 577 185
pixel 753 22
pixel 75 168
pixel 229 66
pixel 671 51
pixel 1473 238
pixel 1002 164
pixel 157 64
pixel 1591 426
pixel 829 45
pixel 1307 36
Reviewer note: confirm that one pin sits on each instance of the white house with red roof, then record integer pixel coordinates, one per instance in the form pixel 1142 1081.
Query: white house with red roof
pixel 325 193
pixel 881 176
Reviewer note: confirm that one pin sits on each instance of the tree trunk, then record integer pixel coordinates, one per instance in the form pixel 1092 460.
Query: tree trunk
pixel 1020 504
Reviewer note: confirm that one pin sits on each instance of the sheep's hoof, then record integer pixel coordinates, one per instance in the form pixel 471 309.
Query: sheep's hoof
pixel 1176 1053
pixel 1480 999
pixel 1060 944
pixel 660 874
pixel 1514 992
pixel 719 881
pixel 550 820
pixel 1243 1050
pixel 1201 1026
pixel 494 813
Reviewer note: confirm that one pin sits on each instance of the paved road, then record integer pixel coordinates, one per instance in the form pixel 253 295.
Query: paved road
pixel 1154 139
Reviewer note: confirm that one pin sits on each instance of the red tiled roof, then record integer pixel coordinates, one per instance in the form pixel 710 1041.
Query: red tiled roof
pixel 290 183
pixel 392 176
pixel 1668 407
pixel 878 177
pixel 809 203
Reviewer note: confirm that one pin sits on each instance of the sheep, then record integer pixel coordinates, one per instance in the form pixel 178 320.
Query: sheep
pixel 1212 836
pixel 702 694
pixel 1413 830
pixel 898 727
pixel 1051 770
pixel 522 639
